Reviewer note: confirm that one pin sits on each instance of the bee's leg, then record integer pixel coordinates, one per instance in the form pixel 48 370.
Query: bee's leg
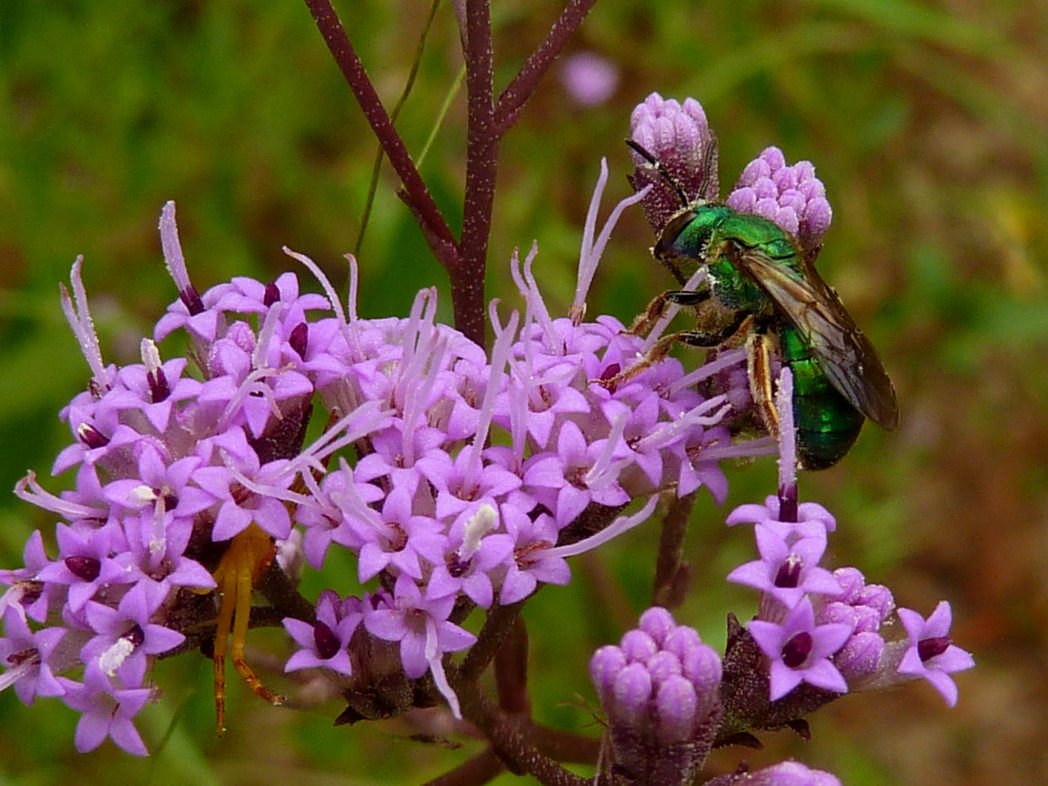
pixel 687 297
pixel 762 389
pixel 692 338
pixel 657 307
pixel 702 339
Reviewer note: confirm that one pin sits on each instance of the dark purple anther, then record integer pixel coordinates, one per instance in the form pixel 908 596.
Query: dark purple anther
pixel 91 436
pixel 789 573
pixel 86 568
pixel 272 294
pixel 795 651
pixel 299 338
pixel 191 299
pixel 929 648
pixel 135 635
pixel 327 643
pixel 159 390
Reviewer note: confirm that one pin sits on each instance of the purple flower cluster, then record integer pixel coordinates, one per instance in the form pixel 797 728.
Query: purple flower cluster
pixel 457 479
pixel 660 690
pixel 828 629
pixel 588 78
pixel 669 699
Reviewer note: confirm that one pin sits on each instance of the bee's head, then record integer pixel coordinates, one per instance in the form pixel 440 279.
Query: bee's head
pixel 683 236
pixel 679 246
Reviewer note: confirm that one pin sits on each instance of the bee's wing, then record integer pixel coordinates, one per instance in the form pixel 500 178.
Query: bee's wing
pixel 844 354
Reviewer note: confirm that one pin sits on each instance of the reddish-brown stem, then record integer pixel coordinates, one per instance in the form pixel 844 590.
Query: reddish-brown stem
pixel 511 670
pixel 519 90
pixel 512 738
pixel 482 150
pixel 499 623
pixel 480 769
pixel 437 233
pixel 668 566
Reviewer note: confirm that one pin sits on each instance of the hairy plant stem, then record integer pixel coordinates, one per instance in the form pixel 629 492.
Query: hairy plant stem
pixel 499 623
pixel 482 153
pixel 519 90
pixel 512 738
pixel 516 742
pixel 465 260
pixel 425 209
pixel 670 568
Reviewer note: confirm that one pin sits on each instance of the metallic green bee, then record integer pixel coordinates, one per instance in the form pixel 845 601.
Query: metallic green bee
pixel 758 274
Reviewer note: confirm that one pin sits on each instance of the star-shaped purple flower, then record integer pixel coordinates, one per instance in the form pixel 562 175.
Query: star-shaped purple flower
pixel 89 559
pixel 932 654
pixel 324 643
pixel 24 656
pixel 425 633
pixel 106 712
pixel 787 572
pixel 126 636
pixel 799 650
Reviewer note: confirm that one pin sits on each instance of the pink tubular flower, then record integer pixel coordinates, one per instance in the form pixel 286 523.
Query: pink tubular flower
pixel 106 713
pixel 325 642
pixel 787 572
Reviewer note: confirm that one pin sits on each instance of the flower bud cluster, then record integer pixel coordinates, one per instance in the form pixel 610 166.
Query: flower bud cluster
pixel 786 773
pixel 678 136
pixel 790 195
pixel 660 691
pixel 681 140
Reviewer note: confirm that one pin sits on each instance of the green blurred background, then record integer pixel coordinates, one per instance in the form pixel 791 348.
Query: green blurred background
pixel 927 122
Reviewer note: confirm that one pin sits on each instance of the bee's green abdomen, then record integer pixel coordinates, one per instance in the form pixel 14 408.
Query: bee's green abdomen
pixel 827 424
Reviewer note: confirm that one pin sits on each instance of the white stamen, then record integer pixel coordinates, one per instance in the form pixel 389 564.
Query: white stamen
pixel 173 258
pixel 479 524
pixel 617 527
pixel 150 355
pixel 114 657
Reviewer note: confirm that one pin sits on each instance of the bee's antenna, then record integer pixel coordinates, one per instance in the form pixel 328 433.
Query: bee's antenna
pixel 644 153
pixel 709 164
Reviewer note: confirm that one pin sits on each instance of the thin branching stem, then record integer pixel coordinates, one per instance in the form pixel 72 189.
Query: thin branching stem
pixel 436 230
pixel 499 623
pixel 482 150
pixel 669 565
pixel 511 670
pixel 480 769
pixel 512 740
pixel 379 154
pixel 519 90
